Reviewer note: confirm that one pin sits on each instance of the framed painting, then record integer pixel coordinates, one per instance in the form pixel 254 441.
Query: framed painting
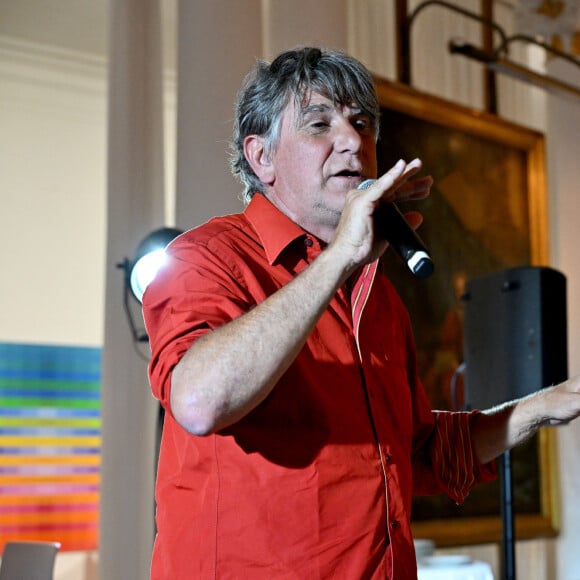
pixel 487 212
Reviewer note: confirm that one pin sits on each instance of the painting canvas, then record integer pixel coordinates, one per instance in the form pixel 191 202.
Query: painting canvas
pixel 486 212
pixel 50 444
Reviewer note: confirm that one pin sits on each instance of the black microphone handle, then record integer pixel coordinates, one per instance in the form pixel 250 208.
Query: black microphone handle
pixel 392 226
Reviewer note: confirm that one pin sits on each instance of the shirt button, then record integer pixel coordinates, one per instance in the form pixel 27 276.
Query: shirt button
pixel 389 458
pixel 395 524
pixel 308 242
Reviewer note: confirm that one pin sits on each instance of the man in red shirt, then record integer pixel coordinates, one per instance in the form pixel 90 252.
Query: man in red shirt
pixel 296 428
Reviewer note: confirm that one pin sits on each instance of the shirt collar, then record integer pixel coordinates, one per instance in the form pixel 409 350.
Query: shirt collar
pixel 275 229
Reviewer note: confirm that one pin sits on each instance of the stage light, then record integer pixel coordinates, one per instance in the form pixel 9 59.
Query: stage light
pixel 149 257
pixel 142 269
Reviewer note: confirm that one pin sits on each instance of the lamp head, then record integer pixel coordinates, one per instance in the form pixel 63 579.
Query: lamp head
pixel 149 257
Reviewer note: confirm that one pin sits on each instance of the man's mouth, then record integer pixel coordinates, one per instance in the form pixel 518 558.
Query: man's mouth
pixel 349 179
pixel 348 173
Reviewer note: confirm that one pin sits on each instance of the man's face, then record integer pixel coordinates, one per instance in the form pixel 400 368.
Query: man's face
pixel 324 151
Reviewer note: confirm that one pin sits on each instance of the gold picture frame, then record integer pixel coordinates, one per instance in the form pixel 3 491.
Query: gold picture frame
pixel 487 211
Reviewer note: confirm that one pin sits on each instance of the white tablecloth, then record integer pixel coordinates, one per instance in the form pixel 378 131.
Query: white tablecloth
pixel 470 571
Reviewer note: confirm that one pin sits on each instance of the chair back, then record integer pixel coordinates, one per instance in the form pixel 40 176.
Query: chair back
pixel 28 560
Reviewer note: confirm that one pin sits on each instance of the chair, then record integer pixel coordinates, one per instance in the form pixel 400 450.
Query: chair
pixel 28 560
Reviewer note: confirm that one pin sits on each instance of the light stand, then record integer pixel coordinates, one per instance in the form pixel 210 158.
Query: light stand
pixel 508 556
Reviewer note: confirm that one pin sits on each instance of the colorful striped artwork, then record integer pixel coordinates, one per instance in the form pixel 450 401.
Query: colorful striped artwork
pixel 50 443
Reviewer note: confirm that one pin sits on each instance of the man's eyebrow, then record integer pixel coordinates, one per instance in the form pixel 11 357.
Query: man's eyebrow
pixel 315 108
pixel 326 108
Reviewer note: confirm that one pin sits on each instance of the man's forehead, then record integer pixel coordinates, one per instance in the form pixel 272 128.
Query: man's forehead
pixel 313 101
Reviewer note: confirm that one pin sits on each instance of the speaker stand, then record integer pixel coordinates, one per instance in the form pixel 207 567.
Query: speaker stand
pixel 508 560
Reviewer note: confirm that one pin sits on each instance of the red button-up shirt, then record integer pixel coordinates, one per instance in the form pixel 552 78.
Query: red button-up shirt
pixel 316 482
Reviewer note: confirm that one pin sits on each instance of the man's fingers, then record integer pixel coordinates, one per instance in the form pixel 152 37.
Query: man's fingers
pixel 412 167
pixel 384 187
pixel 415 189
pixel 391 178
pixel 398 184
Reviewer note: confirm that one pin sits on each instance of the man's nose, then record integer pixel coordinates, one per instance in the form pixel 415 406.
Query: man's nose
pixel 347 138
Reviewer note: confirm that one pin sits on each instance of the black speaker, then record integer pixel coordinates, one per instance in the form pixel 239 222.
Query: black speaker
pixel 515 335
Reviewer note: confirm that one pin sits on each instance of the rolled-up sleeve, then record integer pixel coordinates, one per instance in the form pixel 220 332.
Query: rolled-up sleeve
pixel 447 461
pixel 194 293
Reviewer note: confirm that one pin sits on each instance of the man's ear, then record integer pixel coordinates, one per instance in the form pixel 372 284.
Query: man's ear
pixel 259 161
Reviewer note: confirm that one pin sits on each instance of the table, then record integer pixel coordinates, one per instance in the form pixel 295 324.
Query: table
pixel 446 568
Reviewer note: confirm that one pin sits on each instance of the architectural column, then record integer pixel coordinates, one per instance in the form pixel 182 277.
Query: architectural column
pixel 135 208
pixel 219 41
pixel 303 22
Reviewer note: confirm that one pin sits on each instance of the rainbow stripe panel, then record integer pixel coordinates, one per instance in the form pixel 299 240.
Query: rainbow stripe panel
pixel 50 444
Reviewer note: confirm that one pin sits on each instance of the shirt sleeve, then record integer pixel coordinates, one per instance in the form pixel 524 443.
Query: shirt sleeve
pixel 196 291
pixel 447 461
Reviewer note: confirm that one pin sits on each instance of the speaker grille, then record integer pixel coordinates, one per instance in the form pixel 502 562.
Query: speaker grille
pixel 515 335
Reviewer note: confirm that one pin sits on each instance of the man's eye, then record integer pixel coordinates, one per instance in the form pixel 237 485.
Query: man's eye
pixel 319 124
pixel 362 124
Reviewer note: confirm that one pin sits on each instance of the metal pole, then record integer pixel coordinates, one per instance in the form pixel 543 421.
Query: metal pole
pixel 508 560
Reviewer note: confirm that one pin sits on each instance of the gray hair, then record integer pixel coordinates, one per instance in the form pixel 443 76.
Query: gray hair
pixel 266 91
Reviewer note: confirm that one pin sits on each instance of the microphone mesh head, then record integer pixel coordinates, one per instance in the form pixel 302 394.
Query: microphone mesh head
pixel 366 183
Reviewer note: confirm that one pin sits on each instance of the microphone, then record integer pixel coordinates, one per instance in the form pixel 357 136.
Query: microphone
pixel 392 226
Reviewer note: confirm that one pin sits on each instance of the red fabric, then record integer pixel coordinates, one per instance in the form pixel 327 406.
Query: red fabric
pixel 317 481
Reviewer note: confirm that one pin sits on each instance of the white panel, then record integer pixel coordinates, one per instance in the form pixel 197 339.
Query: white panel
pixel 433 69
pixel 372 35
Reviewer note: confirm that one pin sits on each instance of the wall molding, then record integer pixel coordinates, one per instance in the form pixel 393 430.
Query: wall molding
pixel 39 64
pixel 42 64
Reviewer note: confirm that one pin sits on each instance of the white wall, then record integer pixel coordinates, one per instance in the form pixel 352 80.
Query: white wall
pixel 564 181
pixel 52 175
